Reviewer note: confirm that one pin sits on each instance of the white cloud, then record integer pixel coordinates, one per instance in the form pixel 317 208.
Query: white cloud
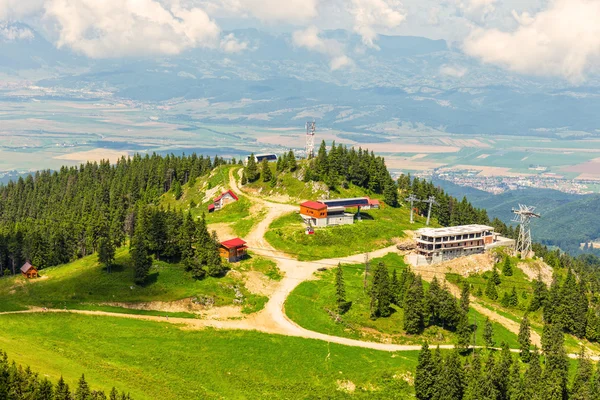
pixel 117 28
pixel 230 44
pixel 563 40
pixel 17 9
pixel 372 14
pixel 310 38
pixel 292 11
pixel 453 71
pixel 13 33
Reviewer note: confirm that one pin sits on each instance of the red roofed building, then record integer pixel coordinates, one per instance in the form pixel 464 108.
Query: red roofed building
pixel 373 204
pixel 221 201
pixel 233 249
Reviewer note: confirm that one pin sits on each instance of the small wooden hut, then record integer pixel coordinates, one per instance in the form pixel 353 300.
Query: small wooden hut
pixel 29 271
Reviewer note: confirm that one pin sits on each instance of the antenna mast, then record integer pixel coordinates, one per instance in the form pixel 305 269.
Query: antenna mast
pixel 311 128
pixel 523 217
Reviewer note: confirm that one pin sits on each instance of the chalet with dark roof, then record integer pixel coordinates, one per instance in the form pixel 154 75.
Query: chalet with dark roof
pixel 29 271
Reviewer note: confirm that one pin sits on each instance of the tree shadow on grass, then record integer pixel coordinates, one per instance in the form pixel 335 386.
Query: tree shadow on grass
pixel 150 279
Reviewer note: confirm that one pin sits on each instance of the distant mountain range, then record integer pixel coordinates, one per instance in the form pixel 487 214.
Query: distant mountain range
pixel 567 219
pixel 411 80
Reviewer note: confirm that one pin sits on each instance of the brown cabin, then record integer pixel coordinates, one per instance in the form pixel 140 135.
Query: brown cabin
pixel 29 271
pixel 233 249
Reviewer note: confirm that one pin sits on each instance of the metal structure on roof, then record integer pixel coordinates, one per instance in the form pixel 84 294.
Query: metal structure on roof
pixel 311 128
pixel 454 230
pixel 523 216
pixel 347 203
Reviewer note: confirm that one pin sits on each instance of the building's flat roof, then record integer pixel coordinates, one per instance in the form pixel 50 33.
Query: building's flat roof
pixel 315 205
pixel 353 202
pixel 454 230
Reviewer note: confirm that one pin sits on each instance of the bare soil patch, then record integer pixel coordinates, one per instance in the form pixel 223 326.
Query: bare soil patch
pixel 94 155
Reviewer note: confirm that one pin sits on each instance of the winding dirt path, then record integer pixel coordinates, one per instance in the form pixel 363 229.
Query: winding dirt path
pixel 273 319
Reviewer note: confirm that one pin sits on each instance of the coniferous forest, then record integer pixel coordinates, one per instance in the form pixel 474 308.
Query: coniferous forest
pixel 18 383
pixel 54 217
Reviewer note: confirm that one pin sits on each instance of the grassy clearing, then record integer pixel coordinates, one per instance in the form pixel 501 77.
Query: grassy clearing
pixel 85 282
pixel 307 305
pixel 260 264
pixel 377 230
pixel 243 226
pixel 157 360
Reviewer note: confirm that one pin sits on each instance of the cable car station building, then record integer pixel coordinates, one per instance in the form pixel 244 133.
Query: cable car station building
pixel 333 212
pixel 435 245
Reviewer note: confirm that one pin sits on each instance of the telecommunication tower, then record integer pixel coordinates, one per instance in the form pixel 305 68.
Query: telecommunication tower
pixel 311 128
pixel 431 200
pixel 523 216
pixel 412 198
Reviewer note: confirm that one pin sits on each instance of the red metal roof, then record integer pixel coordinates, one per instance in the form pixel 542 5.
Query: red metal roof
pixel 315 205
pixel 224 193
pixel 233 243
pixel 211 206
pixel 373 202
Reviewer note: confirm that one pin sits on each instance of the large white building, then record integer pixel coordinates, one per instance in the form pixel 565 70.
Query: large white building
pixel 435 245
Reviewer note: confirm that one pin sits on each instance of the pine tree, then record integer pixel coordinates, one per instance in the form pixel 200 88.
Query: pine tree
pixel 533 376
pixel 488 333
pixel 426 375
pixel 463 332
pixel 251 170
pixel 516 389
pixel 45 391
pixel 495 276
pixel 106 252
pixel 214 263
pixel 62 391
pixel 595 385
pixel 490 290
pixel 433 300
pixel 451 384
pixel 177 190
pixel 464 298
pixel 340 289
pixel 552 303
pixel 488 388
pixel 139 248
pixel 592 332
pixel 473 378
pixel 291 161
pixel 540 291
pixel 114 395
pixel 390 194
pixel 413 307
pixel 555 375
pixel 83 390
pixel 582 383
pixel 380 292
pixel 525 339
pixel 265 170
pixel 502 371
pixel 513 298
pixel 395 289
pixel 244 179
pixel 507 267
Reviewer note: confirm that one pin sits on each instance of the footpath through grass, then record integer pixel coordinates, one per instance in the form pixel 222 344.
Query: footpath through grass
pixel 160 361
pixel 309 303
pixel 84 283
pixel 377 229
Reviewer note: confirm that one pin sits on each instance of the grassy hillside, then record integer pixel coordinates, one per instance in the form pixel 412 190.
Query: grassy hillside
pixel 159 361
pixel 377 229
pixel 309 303
pixel 84 283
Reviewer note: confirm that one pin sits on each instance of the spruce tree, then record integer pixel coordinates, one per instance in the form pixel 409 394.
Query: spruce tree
pixel 139 248
pixel 251 170
pixel 502 371
pixel 214 263
pixel 595 385
pixel 451 383
pixel 291 161
pixel 380 292
pixel 45 391
pixel 83 390
pixel 395 288
pixel 592 332
pixel 533 376
pixel 426 375
pixel 340 289
pixel 62 391
pixel 106 252
pixel 513 298
pixel 413 307
pixel 463 332
pixel 540 291
pixel 244 179
pixel 582 382
pixel 490 290
pixel 525 339
pixel 114 395
pixel 390 193
pixel 488 333
pixel 265 170
pixel 488 387
pixel 433 301
pixel 516 389
pixel 495 277
pixel 552 303
pixel 464 297
pixel 473 378
pixel 507 267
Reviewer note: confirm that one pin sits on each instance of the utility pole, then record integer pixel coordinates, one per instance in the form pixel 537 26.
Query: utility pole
pixel 412 198
pixel 431 202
